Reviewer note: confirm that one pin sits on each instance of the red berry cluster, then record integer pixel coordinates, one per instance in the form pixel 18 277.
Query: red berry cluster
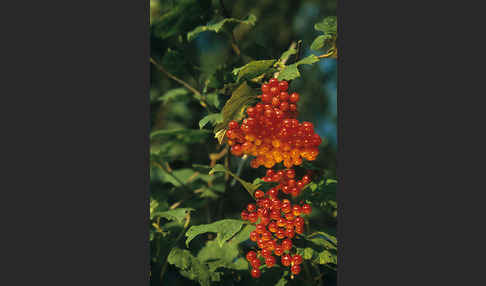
pixel 271 131
pixel 273 135
pixel 287 183
pixel 277 222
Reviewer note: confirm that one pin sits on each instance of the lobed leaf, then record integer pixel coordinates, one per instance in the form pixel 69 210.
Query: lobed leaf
pixel 214 118
pixel 218 26
pixel 234 107
pixel 224 229
pixel 191 268
pixel 176 214
pixel 291 72
pixel 253 69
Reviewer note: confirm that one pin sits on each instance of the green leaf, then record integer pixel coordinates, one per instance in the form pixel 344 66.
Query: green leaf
pixel 253 69
pixel 291 72
pixel 291 51
pixel 327 41
pixel 320 42
pixel 218 26
pixel 234 107
pixel 214 118
pixel 213 99
pixel 227 255
pixel 251 188
pixel 328 25
pixel 176 214
pixel 191 268
pixel 180 17
pixel 329 237
pixel 225 229
pixel 326 257
pixel 175 94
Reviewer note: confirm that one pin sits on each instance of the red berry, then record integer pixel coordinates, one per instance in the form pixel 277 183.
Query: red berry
pixel 292 107
pixel 306 209
pixel 266 236
pixel 274 91
pixel 299 221
pixel 272 193
pixel 306 179
pixel 255 262
pixel 254 236
pixel 266 253
pixel 253 217
pixel 266 98
pixel 275 101
pixel 270 261
pixel 278 250
pixel 297 259
pixel 297 210
pixel 280 233
pixel 251 207
pixel 236 150
pixel 295 269
pixel 287 244
pixel 290 233
pixel 255 272
pixel 284 106
pixel 272 227
pixel 259 194
pixel 273 82
pixel 294 97
pixel 283 96
pixel 244 215
pixel 283 85
pixel 265 88
pixel 251 255
pixel 233 124
pixel 251 111
pixel 260 228
pixel 286 259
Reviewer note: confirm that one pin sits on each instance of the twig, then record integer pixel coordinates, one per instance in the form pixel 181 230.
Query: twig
pixel 327 55
pixel 185 84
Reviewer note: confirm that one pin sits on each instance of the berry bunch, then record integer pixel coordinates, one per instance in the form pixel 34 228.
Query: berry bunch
pixel 287 183
pixel 271 131
pixel 277 222
pixel 273 135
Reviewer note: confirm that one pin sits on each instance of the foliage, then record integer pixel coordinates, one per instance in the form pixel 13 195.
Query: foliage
pixel 208 61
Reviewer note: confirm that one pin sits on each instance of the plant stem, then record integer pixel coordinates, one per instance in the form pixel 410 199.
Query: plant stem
pixel 185 84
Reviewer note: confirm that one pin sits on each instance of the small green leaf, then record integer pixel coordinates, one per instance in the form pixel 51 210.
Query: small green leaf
pixel 291 51
pixel 175 94
pixel 214 118
pixel 191 268
pixel 218 26
pixel 251 188
pixel 234 107
pixel 320 42
pixel 225 229
pixel 176 214
pixel 328 25
pixel 291 72
pixel 326 257
pixel 213 99
pixel 253 69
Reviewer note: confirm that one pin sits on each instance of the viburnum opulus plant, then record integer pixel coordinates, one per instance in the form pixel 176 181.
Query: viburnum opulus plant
pixel 272 133
pixel 218 72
